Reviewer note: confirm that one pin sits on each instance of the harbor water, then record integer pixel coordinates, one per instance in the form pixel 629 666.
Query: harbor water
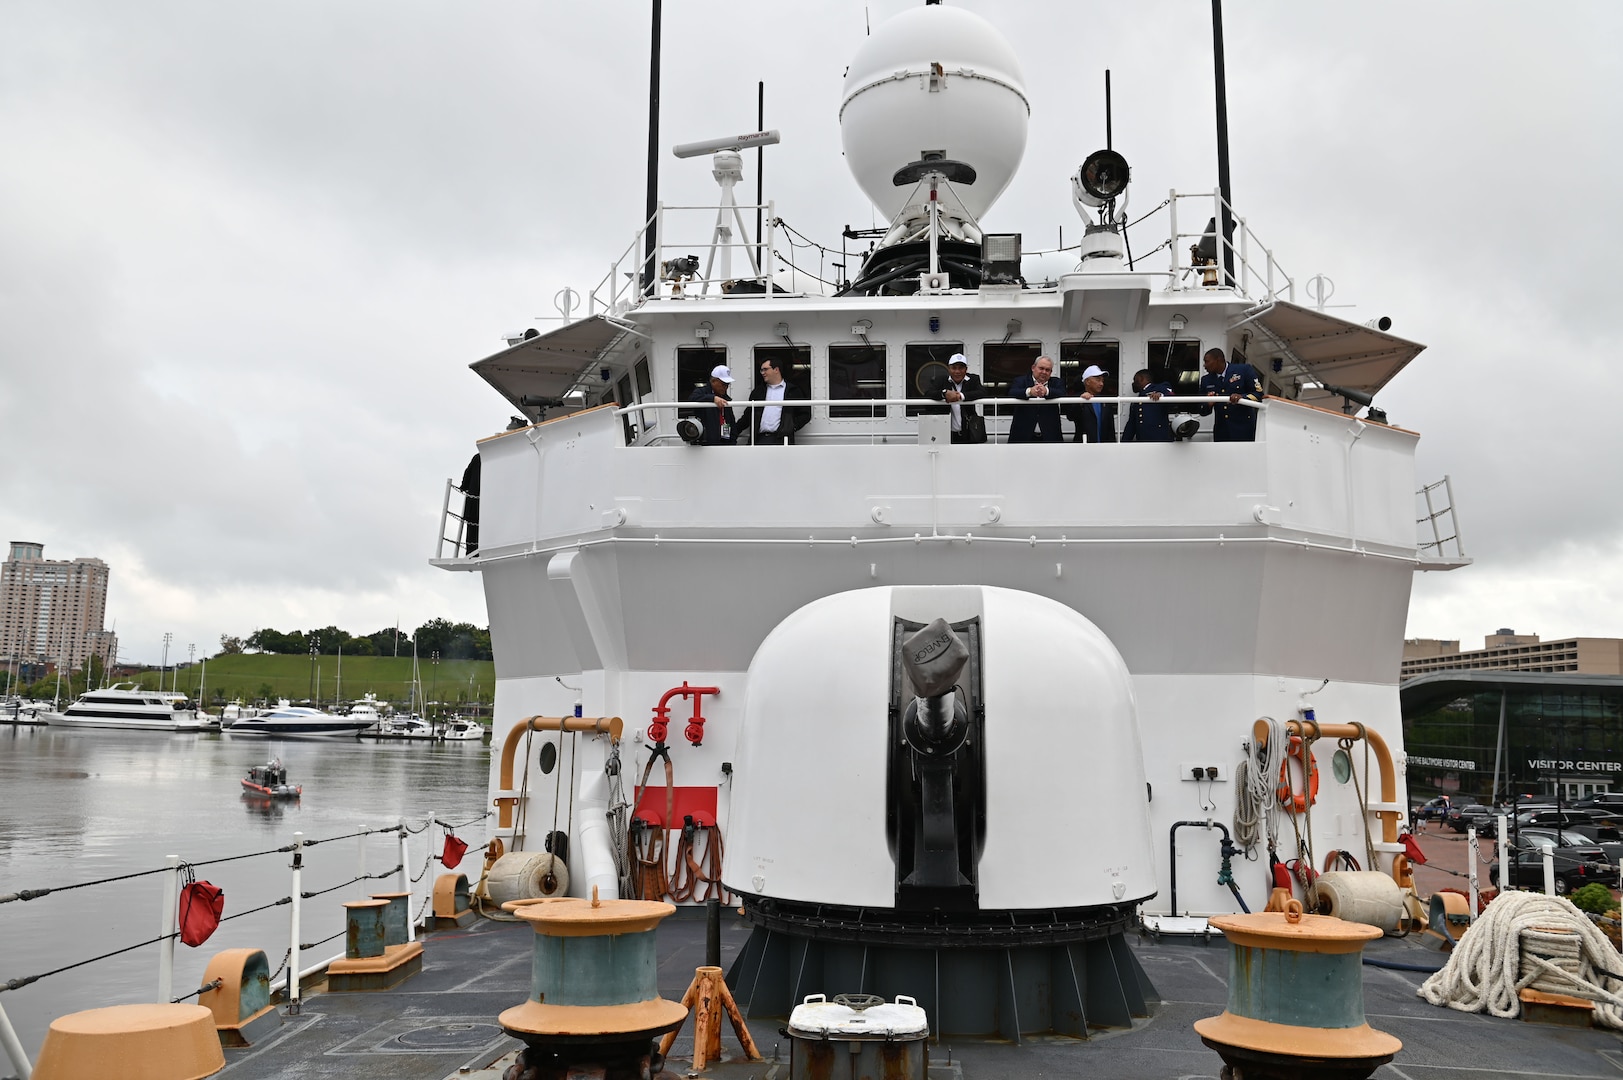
pixel 78 806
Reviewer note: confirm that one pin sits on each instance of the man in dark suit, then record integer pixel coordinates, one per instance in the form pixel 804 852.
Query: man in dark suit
pixel 956 388
pixel 720 423
pixel 776 425
pixel 1028 421
pixel 1235 422
pixel 1095 421
pixel 1148 423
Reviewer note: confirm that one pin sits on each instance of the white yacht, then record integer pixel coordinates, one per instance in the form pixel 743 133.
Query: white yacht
pixel 298 721
pixel 461 729
pixel 367 709
pixel 124 706
pixel 1123 612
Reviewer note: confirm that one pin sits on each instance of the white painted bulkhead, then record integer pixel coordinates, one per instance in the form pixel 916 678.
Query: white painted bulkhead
pixel 1232 578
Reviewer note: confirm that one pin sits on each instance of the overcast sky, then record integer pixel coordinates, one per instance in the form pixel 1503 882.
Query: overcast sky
pixel 247 251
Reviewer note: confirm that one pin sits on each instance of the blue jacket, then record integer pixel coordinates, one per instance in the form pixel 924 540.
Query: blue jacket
pixel 1027 421
pixel 1234 423
pixel 711 418
pixel 1148 422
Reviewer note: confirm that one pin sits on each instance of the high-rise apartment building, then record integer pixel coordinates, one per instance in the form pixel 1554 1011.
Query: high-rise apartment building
pixel 53 610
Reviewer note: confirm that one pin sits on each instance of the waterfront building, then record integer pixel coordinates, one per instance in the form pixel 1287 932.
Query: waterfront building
pixel 53 610
pixel 1491 734
pixel 1507 650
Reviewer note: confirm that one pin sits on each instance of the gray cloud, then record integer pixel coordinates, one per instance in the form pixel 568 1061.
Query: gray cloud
pixel 246 252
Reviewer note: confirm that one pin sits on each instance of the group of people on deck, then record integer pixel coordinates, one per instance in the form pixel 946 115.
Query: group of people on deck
pixel 1147 422
pixel 1095 421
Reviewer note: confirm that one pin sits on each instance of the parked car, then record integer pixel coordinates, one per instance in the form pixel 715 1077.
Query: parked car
pixel 1577 860
pixel 1485 818
pixel 1430 810
pixel 1456 807
pixel 1606 800
pixel 1552 818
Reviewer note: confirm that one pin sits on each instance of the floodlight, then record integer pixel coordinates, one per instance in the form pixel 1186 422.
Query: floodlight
pixel 1102 177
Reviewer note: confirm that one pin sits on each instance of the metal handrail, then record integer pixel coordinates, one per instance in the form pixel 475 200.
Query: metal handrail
pixel 1000 402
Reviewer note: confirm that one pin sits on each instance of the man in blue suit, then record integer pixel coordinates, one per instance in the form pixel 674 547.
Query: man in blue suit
pixel 1040 384
pixel 1148 423
pixel 1235 422
pixel 1095 421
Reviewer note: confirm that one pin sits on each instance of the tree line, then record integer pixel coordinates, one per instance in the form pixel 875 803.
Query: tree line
pixel 452 641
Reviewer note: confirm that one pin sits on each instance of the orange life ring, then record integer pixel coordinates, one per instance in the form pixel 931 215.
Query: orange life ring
pixel 1288 796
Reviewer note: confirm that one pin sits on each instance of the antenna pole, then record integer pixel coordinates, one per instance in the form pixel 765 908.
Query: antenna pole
pixel 760 164
pixel 653 150
pixel 1107 107
pixel 1227 225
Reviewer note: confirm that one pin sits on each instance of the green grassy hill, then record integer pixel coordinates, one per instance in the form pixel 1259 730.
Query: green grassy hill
pixel 251 676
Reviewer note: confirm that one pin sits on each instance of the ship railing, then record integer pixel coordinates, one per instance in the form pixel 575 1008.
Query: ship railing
pixel 1255 273
pixel 647 270
pixel 991 407
pixel 454 527
pixel 176 870
pixel 1438 525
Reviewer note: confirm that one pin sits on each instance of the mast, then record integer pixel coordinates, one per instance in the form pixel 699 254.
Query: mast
pixel 1226 227
pixel 648 267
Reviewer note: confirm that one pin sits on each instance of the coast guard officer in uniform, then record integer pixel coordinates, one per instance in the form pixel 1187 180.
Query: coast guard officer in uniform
pixel 1235 422
pixel 1148 423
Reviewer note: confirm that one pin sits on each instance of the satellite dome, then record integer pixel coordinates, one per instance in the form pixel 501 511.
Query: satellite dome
pixel 934 79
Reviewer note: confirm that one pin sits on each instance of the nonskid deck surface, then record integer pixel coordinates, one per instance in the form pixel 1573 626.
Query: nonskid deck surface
pixel 444 1020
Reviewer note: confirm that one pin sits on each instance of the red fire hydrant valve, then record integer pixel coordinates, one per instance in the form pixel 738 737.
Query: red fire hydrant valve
pixel 694 731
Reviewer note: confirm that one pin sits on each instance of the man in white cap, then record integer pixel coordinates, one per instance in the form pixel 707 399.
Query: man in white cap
pixel 1095 420
pixel 720 423
pixel 956 388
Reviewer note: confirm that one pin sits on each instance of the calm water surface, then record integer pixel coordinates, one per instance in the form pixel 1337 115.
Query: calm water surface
pixel 77 806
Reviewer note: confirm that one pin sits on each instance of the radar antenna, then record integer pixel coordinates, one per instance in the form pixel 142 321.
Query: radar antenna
pixel 727 166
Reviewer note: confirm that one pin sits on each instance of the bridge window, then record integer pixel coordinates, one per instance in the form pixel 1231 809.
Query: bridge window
pixel 793 360
pixel 645 382
pixel 1003 365
pixel 856 371
pixel 1177 363
pixel 693 366
pixel 1075 356
pixel 927 365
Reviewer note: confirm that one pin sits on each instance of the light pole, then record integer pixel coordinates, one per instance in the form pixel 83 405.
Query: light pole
pixel 163 667
pixel 191 658
pixel 315 647
pixel 433 684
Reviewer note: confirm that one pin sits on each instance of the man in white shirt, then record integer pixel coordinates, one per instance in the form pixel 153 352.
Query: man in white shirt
pixel 776 425
pixel 958 388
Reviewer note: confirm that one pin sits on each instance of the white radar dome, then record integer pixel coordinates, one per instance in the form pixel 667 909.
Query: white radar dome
pixel 821 783
pixel 934 78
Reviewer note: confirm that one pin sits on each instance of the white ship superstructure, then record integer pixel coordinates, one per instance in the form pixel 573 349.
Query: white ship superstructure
pixel 1236 580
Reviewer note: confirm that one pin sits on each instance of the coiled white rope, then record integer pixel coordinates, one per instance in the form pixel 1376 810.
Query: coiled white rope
pixel 1529 940
pixel 1256 806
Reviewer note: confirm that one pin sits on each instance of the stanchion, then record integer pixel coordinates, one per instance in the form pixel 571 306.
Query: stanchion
pixel 166 927
pixel 14 1047
pixel 1472 853
pixel 293 920
pixel 707 997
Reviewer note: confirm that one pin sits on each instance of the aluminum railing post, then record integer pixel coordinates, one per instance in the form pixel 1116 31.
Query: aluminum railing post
pixel 167 927
pixel 1549 868
pixel 1499 851
pixel 1172 216
pixel 1453 518
pixel 445 509
pixel 1471 856
pixel 293 920
pixel 14 1047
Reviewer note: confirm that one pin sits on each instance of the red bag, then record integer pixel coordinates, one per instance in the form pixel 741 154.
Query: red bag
pixel 1411 847
pixel 201 905
pixel 454 850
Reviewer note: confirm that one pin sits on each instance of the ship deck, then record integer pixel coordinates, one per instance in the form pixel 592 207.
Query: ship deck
pixel 442 1022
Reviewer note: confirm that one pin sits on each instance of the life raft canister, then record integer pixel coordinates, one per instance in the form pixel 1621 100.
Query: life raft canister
pixel 1288 796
